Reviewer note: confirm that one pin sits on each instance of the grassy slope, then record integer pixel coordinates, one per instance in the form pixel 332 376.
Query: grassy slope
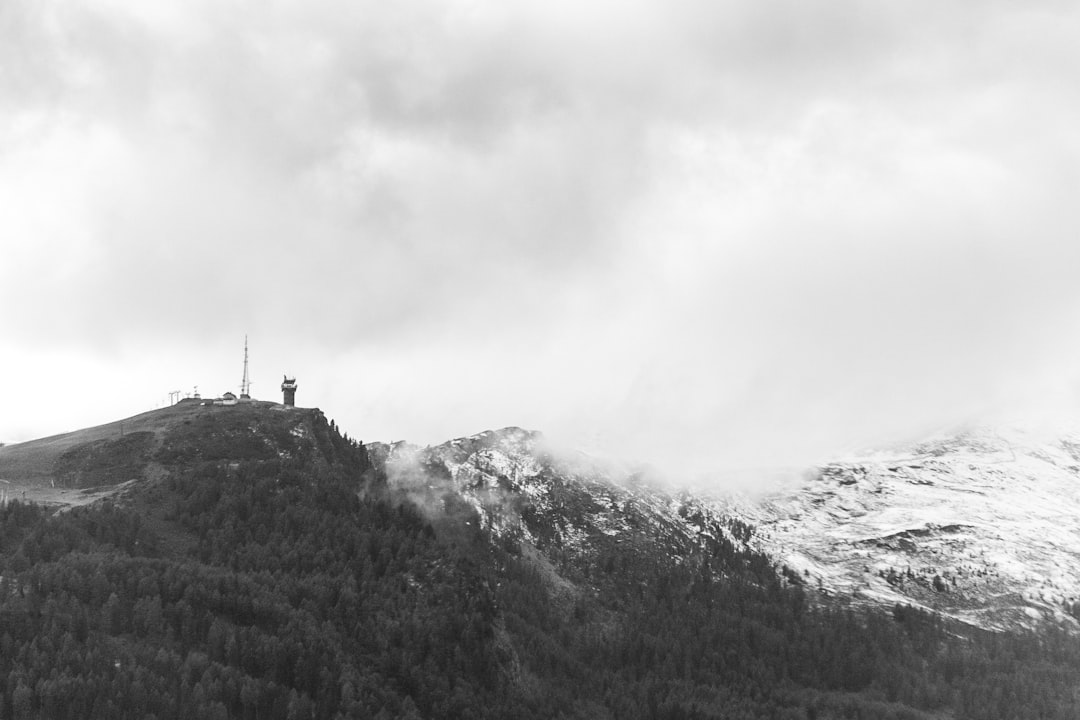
pixel 31 469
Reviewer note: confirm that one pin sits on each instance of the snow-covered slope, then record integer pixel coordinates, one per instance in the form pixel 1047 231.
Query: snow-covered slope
pixel 567 502
pixel 983 526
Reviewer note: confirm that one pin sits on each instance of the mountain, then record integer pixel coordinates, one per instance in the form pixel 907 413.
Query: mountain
pixel 980 525
pixel 524 490
pixel 254 562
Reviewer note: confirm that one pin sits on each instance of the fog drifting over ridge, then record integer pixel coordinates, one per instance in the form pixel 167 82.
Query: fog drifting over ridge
pixel 699 234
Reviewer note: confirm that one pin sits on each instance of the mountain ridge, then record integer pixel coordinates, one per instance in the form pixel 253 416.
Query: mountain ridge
pixel 522 487
pixel 280 570
pixel 978 525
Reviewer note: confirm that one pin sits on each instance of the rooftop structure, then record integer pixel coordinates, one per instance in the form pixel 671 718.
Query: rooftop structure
pixel 288 387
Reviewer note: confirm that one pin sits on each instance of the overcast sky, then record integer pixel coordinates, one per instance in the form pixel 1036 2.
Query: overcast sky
pixel 699 233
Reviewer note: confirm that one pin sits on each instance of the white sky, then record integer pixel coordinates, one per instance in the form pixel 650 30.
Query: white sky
pixel 701 233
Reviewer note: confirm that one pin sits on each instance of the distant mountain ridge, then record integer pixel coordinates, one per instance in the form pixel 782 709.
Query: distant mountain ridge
pixel 979 526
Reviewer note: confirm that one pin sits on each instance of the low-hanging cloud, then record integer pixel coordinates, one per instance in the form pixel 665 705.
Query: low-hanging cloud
pixel 695 233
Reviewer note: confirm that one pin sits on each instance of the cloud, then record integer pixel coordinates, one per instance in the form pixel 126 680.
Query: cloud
pixel 698 233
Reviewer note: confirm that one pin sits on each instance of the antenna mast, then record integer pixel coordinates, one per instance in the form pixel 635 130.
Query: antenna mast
pixel 245 384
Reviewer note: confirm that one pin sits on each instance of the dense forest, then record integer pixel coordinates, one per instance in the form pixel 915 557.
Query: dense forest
pixel 254 584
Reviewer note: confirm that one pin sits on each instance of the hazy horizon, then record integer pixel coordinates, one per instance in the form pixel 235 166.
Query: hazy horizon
pixel 699 234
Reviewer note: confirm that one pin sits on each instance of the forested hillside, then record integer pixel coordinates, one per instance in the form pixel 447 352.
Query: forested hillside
pixel 270 573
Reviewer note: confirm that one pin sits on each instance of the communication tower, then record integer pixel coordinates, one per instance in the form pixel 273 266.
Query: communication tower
pixel 245 384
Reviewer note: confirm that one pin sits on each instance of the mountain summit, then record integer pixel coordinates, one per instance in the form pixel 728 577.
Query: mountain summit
pixel 85 465
pixel 980 525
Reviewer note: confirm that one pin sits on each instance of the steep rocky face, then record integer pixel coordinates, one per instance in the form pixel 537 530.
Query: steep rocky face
pixel 983 526
pixel 568 503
